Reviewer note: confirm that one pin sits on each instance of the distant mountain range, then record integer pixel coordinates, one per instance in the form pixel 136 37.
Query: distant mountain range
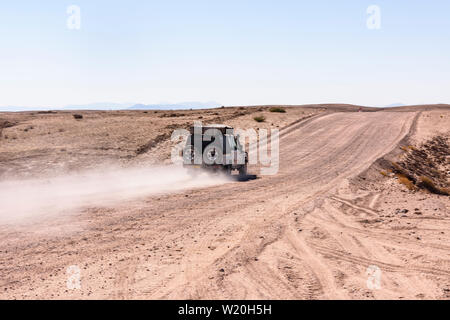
pixel 99 106
pixel 176 106
pixel 121 106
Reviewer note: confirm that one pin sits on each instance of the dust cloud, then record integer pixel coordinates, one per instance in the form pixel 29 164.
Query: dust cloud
pixel 26 200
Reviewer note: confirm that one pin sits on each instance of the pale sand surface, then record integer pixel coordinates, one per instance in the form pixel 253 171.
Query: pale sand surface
pixel 309 232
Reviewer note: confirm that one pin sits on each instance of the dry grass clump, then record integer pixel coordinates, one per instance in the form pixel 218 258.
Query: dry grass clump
pixel 408 148
pixel 277 109
pixel 406 182
pixel 428 184
pixel 259 119
pixel 400 171
pixel 172 115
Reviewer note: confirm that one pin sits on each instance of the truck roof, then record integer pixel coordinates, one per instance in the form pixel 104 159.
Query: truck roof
pixel 223 128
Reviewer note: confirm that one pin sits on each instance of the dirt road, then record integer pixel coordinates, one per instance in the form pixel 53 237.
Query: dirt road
pixel 304 233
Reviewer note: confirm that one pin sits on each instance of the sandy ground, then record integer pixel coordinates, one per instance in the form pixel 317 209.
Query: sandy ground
pixel 327 226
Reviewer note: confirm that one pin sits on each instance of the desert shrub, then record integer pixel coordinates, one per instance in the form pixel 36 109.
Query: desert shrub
pixel 277 109
pixel 428 184
pixel 46 112
pixel 259 119
pixel 78 116
pixel 172 115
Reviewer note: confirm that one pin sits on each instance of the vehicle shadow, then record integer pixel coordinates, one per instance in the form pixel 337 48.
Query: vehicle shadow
pixel 247 177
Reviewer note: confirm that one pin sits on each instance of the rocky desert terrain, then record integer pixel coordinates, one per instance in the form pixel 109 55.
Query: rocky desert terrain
pixel 360 207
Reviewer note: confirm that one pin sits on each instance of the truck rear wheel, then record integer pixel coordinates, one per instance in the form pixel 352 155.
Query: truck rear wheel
pixel 243 171
pixel 228 170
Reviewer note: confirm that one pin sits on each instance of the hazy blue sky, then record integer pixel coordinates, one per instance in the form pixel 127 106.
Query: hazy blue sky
pixel 233 52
